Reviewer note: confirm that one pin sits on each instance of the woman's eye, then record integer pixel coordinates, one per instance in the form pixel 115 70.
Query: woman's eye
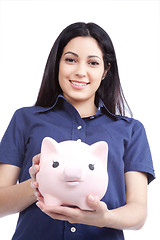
pixel 55 164
pixel 94 63
pixel 70 60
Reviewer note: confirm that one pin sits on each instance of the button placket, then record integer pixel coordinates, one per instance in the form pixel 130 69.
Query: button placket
pixel 78 132
pixel 79 128
pixel 71 231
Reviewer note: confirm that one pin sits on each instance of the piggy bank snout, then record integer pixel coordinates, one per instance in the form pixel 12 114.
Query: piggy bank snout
pixel 72 173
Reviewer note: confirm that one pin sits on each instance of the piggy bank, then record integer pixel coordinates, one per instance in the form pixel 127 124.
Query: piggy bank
pixel 71 170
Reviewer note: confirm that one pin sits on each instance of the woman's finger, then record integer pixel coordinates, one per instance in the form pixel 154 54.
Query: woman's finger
pixel 35 166
pixel 36 159
pixel 96 204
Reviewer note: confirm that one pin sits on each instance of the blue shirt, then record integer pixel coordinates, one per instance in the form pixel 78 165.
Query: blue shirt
pixel 128 151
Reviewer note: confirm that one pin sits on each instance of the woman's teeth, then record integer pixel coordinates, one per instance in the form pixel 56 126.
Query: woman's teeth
pixel 78 83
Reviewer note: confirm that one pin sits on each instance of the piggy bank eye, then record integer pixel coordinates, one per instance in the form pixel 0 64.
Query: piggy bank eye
pixel 55 164
pixel 91 166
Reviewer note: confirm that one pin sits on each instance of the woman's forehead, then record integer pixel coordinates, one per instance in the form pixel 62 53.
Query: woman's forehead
pixel 83 45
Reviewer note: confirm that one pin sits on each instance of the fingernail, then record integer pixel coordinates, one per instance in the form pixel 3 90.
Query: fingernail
pixel 36 194
pixel 32 185
pixel 39 206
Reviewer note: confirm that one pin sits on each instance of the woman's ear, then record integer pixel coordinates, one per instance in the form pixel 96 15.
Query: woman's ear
pixel 105 71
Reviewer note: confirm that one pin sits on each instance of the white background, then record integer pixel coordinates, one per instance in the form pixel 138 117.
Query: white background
pixel 28 29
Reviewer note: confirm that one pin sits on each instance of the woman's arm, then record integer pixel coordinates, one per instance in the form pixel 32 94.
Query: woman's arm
pixel 134 213
pixel 14 197
pixel 130 216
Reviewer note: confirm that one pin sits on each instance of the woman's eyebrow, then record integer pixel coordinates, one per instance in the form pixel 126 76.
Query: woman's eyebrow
pixel 94 56
pixel 76 55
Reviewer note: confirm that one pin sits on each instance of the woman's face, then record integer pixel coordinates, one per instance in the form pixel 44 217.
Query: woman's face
pixel 81 69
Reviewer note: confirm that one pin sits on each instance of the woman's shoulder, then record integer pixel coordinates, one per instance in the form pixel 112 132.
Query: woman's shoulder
pixel 29 110
pixel 26 115
pixel 131 122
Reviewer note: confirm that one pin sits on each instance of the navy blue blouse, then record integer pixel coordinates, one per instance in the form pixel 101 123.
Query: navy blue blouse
pixel 128 151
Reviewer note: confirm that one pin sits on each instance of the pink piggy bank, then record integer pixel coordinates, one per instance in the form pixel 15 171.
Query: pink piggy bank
pixel 71 170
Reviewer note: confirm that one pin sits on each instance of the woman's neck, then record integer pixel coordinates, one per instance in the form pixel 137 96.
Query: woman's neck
pixel 85 109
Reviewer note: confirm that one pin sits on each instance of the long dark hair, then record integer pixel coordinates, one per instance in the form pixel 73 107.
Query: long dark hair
pixel 110 90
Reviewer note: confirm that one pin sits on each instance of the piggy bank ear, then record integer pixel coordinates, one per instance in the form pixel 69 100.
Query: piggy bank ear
pixel 100 150
pixel 49 146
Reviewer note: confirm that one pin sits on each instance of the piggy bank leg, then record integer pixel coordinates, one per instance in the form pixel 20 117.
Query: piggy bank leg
pixel 51 201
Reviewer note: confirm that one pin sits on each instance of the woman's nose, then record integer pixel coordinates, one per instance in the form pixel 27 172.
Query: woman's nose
pixel 80 75
pixel 80 71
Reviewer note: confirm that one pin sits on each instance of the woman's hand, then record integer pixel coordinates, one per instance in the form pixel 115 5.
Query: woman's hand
pixel 34 169
pixel 98 217
pixel 130 216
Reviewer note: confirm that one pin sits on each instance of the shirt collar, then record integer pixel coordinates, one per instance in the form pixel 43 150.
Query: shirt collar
pixel 101 105
pixel 115 116
pixel 46 109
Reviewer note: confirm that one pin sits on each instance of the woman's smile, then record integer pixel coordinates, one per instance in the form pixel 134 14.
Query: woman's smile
pixel 78 84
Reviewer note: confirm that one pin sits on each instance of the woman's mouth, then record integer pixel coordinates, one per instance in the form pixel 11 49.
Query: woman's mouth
pixel 78 83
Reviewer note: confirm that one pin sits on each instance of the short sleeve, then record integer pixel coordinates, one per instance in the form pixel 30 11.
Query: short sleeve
pixel 12 145
pixel 137 155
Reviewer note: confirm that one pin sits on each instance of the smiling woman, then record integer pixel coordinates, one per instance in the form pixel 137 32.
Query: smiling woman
pixel 80 99
pixel 99 46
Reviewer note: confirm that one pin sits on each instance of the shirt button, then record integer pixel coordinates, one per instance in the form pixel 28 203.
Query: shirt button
pixel 79 127
pixel 73 229
pixel 79 140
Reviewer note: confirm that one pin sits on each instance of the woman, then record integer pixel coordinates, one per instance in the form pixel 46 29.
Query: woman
pixel 80 99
